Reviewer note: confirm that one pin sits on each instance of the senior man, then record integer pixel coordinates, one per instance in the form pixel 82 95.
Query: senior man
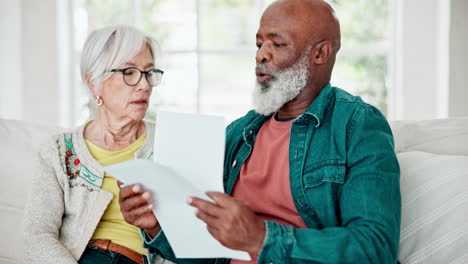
pixel 310 175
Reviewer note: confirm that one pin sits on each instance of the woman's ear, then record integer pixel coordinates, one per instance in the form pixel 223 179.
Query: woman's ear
pixel 90 84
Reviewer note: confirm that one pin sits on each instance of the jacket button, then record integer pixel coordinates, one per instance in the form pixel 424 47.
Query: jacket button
pixel 234 163
pixel 251 132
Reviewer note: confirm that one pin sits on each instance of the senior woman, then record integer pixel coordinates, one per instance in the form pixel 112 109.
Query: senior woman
pixel 73 214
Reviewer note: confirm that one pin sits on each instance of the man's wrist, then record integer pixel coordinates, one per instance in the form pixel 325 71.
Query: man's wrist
pixel 260 241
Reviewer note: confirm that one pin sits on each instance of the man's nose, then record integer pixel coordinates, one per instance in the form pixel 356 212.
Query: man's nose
pixel 263 54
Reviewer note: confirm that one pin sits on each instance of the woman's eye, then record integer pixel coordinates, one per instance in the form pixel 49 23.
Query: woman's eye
pixel 259 46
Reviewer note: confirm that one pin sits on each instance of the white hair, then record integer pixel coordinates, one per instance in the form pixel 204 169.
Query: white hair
pixel 285 86
pixel 110 47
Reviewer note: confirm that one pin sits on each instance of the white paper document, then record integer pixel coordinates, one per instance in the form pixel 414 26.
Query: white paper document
pixel 187 161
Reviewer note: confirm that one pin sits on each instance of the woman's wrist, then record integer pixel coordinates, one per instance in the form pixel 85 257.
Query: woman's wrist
pixel 152 232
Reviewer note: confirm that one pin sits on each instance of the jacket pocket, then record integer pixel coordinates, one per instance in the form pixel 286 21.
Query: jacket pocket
pixel 324 171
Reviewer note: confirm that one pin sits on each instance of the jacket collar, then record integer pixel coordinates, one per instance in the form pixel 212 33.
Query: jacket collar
pixel 317 108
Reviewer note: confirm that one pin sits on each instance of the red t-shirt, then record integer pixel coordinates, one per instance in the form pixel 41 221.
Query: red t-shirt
pixel 263 183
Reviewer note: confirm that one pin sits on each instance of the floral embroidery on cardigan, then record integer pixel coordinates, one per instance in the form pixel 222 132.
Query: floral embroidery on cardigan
pixel 73 165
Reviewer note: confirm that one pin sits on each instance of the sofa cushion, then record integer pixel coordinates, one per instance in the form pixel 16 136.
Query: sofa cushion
pixel 19 143
pixel 434 192
pixel 440 136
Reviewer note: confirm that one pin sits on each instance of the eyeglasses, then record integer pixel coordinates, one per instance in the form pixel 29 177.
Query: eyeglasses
pixel 132 76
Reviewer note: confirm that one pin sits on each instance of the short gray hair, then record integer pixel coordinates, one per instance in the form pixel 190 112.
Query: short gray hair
pixel 110 47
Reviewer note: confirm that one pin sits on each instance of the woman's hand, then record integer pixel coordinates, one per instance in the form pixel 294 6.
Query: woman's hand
pixel 136 209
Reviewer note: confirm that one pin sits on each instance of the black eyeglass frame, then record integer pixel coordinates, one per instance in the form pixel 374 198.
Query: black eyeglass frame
pixel 141 75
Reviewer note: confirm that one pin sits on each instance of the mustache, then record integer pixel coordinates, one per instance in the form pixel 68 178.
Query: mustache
pixel 265 69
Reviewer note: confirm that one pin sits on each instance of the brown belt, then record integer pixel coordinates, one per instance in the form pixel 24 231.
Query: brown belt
pixel 107 245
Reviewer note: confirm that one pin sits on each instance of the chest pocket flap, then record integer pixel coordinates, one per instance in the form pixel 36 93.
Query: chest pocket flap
pixel 324 171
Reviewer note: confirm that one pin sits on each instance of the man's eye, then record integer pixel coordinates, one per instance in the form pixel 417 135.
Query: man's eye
pixel 279 45
pixel 259 46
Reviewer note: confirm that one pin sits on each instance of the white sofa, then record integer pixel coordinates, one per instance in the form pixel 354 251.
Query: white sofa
pixel 433 157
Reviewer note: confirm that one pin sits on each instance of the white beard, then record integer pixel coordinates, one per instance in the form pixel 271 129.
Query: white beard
pixel 283 87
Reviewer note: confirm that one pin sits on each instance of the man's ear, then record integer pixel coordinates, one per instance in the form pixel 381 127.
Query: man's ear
pixel 321 52
pixel 90 84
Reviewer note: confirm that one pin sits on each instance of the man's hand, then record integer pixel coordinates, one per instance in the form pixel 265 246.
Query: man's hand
pixel 231 222
pixel 136 209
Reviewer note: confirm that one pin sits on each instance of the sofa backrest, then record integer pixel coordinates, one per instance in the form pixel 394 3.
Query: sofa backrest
pixel 19 143
pixel 438 136
pixel 433 157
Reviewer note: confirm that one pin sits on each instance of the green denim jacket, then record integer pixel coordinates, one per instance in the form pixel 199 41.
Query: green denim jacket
pixel 345 182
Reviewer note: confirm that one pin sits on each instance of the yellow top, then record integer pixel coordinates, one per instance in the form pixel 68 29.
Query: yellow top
pixel 112 225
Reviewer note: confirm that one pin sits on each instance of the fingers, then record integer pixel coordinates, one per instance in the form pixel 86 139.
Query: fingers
pixel 221 199
pixel 137 212
pixel 208 219
pixel 135 201
pixel 129 191
pixel 206 207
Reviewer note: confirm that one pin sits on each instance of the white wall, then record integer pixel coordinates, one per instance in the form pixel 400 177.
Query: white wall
pixel 418 63
pixel 41 98
pixel 11 91
pixel 458 77
pixel 31 75
pixel 431 62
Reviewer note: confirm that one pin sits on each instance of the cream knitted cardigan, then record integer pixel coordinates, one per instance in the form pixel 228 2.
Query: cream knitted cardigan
pixel 66 202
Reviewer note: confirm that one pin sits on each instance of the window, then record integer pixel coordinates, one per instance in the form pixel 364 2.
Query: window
pixel 208 49
pixel 362 66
